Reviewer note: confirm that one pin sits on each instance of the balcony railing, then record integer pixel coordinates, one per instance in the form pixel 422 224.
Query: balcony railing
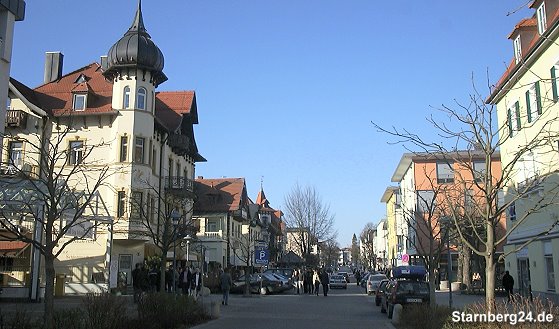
pixel 178 183
pixel 16 118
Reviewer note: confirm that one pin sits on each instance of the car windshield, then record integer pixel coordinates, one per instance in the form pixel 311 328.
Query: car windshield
pixel 414 287
pixel 377 277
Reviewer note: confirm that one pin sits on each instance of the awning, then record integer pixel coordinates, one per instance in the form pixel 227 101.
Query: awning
pixel 12 249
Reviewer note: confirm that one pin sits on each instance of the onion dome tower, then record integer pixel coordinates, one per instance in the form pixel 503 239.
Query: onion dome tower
pixel 135 54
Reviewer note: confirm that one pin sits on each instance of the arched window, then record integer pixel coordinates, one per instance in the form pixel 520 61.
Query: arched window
pixel 141 99
pixel 126 100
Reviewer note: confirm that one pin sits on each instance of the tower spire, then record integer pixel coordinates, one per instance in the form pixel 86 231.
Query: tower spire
pixel 138 22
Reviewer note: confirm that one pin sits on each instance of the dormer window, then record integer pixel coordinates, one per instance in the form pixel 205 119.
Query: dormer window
pixel 80 101
pixel 542 22
pixel 141 99
pixel 126 100
pixel 517 49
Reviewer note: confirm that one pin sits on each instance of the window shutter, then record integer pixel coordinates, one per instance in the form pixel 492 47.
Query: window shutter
pixel 509 122
pixel 518 119
pixel 554 84
pixel 538 98
pixel 528 109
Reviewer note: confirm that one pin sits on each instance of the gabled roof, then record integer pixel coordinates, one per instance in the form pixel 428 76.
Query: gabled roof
pixel 388 193
pixel 220 194
pixel 27 96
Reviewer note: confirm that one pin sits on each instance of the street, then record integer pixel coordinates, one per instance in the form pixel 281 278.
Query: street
pixel 350 308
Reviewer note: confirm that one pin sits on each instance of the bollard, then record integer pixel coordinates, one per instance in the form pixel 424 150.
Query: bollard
pixel 396 313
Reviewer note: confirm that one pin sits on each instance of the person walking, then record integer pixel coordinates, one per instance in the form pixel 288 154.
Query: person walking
pixel 226 283
pixel 136 282
pixel 325 280
pixel 301 276
pixel 196 283
pixel 508 284
pixel 316 280
pixel 295 278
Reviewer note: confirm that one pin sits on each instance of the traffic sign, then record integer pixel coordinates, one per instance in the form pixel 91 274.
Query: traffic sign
pixel 261 256
pixel 405 258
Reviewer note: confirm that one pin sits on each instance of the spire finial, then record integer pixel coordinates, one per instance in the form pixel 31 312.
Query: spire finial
pixel 261 183
pixel 138 23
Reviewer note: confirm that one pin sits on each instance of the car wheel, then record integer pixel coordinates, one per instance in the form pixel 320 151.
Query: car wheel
pixel 390 311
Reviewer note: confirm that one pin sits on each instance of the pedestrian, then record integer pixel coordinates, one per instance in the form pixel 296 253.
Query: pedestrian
pixel 169 279
pixel 310 281
pixel 226 283
pixel 316 280
pixel 324 279
pixel 136 282
pixel 301 275
pixel 183 280
pixel 153 276
pixel 196 283
pixel 508 284
pixel 295 279
pixel 358 276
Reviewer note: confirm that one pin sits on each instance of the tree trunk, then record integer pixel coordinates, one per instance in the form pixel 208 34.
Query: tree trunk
pixel 162 272
pixel 50 274
pixel 459 274
pixel 490 269
pixel 466 275
pixel 432 283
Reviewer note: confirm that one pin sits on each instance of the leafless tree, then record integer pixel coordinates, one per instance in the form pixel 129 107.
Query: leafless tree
pixel 368 253
pixel 474 129
pixel 329 252
pixel 309 216
pixel 56 188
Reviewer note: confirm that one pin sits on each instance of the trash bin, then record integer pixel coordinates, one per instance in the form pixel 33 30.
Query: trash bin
pixel 59 285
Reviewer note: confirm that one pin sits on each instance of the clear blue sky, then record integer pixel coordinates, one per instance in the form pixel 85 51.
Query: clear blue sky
pixel 287 89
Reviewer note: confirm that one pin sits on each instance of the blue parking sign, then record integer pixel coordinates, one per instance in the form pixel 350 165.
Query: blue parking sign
pixel 261 256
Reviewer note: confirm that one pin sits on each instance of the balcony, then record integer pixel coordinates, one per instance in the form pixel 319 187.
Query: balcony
pixel 16 118
pixel 179 143
pixel 179 185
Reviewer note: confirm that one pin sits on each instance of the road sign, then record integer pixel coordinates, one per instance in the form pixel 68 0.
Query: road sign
pixel 261 256
pixel 405 258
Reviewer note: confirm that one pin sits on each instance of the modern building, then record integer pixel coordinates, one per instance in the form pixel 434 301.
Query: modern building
pixel 430 183
pixel 109 115
pixel 397 239
pixel 526 100
pixel 381 245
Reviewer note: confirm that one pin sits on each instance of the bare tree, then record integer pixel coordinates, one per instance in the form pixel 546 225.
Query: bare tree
pixel 305 212
pixel 474 129
pixel 329 252
pixel 161 213
pixel 368 253
pixel 56 187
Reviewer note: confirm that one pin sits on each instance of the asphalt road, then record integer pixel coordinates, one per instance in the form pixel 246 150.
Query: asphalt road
pixel 350 308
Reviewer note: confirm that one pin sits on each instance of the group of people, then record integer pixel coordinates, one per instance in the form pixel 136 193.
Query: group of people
pixel 188 279
pixel 309 281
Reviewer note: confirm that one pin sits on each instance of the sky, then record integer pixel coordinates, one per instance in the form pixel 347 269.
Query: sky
pixel 287 90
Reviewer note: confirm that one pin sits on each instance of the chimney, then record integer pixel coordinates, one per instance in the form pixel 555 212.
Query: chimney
pixel 53 66
pixel 104 62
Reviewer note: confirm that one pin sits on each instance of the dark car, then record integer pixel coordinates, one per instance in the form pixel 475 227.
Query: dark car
pixel 404 292
pixel 380 291
pixel 263 283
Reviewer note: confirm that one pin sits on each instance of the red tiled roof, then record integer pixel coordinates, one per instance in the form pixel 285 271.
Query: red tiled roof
pixel 27 92
pixel 512 67
pixel 220 194
pixel 12 245
pixel 526 22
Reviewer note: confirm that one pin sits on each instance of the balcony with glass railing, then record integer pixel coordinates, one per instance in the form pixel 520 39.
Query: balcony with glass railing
pixel 179 184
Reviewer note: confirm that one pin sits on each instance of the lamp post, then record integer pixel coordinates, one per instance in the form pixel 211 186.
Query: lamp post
pixel 187 239
pixel 175 216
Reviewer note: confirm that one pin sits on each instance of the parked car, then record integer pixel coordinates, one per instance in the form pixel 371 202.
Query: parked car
pixel 263 283
pixel 337 281
pixel 373 282
pixel 287 283
pixel 407 288
pixel 380 291
pixel 364 278
pixel 287 272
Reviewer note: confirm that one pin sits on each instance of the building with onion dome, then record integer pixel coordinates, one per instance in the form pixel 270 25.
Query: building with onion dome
pixel 114 118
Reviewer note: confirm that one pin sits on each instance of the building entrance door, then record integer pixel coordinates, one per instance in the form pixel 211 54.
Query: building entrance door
pixel 523 276
pixel 125 269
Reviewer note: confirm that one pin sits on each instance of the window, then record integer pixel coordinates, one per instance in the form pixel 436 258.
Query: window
pixel 154 157
pixel 212 225
pixel 136 204
pixel 549 267
pixel 123 148
pixel 512 212
pixel 178 169
pixel 425 201
pixel 533 102
pixel 76 152
pixel 479 171
pixel 16 154
pixel 445 174
pixel 126 101
pixel 517 49
pixel 79 102
pixel 121 204
pixel 150 208
pixel 553 72
pixel 469 200
pixel 141 99
pixel 170 172
pixel 542 22
pixel 513 119
pixel 139 150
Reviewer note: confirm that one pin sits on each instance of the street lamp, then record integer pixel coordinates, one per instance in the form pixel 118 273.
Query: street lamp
pixel 175 216
pixel 187 240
